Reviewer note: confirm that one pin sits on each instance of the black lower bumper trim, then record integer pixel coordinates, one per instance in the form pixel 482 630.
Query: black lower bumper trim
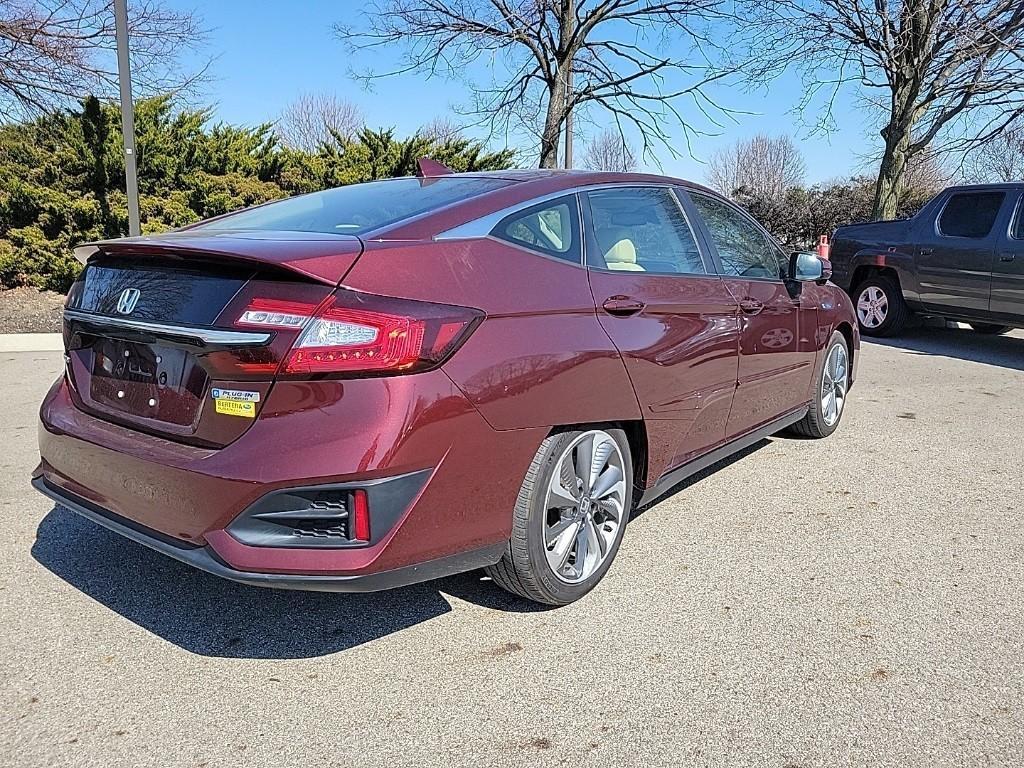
pixel 205 559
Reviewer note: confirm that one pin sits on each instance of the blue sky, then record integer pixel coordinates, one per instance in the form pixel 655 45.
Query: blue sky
pixel 266 53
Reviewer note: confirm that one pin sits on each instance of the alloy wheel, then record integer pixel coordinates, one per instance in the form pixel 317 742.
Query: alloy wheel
pixel 585 505
pixel 834 384
pixel 872 307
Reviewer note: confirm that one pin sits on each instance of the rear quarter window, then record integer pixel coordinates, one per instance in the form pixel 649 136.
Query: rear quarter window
pixel 551 228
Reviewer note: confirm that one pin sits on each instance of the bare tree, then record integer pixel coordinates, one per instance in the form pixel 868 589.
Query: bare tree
pixel 1002 159
pixel 308 122
pixel 938 70
pixel 765 166
pixel 927 174
pixel 609 151
pixel 633 58
pixel 442 130
pixel 55 52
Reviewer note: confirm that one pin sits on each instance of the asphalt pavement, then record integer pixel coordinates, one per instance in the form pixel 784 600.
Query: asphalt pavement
pixel 848 602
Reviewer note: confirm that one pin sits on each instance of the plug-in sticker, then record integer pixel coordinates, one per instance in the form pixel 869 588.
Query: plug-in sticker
pixel 238 395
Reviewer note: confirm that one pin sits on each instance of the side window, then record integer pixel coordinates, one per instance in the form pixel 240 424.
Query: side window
pixel 1017 233
pixel 552 228
pixel 970 214
pixel 742 247
pixel 642 229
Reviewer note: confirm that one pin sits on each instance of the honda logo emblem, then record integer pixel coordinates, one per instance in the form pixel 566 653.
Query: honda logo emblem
pixel 127 300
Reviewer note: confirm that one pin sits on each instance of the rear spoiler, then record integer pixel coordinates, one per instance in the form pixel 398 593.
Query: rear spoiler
pixel 325 258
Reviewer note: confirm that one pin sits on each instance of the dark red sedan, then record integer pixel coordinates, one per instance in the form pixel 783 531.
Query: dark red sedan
pixel 390 382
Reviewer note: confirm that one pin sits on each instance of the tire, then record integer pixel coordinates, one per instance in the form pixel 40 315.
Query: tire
pixel 990 329
pixel 888 312
pixel 817 423
pixel 546 529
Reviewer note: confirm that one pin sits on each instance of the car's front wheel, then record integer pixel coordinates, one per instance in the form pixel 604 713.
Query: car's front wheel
pixel 833 383
pixel 569 518
pixel 881 310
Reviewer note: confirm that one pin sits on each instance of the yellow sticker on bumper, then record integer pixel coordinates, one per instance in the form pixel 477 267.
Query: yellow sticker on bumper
pixel 236 408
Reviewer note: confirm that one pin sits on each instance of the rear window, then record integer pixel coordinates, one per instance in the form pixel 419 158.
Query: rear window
pixel 970 215
pixel 357 208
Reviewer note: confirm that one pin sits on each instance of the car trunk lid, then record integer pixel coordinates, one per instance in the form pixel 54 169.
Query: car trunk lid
pixel 151 328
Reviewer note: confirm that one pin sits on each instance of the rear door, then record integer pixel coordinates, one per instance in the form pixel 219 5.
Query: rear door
pixel 775 361
pixel 1008 267
pixel 955 252
pixel 670 316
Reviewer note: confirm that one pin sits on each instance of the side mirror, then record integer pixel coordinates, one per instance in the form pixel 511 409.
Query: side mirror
pixel 806 267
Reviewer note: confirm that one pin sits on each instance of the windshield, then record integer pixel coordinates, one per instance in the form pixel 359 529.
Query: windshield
pixel 357 208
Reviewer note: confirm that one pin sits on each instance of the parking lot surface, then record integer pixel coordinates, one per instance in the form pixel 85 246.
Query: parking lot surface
pixel 847 602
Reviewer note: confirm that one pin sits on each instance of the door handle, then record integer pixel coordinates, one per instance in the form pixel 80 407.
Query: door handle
pixel 751 306
pixel 622 306
pixel 1006 256
pixel 927 251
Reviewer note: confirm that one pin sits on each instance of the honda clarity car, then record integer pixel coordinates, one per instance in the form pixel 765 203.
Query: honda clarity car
pixel 390 382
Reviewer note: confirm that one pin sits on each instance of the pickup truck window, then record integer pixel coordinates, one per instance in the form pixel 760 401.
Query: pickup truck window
pixel 970 214
pixel 743 250
pixel 1017 232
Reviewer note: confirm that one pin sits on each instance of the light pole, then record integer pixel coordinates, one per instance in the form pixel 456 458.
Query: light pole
pixel 124 76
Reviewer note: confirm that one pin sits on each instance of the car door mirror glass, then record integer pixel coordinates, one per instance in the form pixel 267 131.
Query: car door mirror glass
pixel 807 267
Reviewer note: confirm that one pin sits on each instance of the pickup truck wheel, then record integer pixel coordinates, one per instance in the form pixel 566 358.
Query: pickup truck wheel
pixel 833 382
pixel 881 310
pixel 569 518
pixel 990 329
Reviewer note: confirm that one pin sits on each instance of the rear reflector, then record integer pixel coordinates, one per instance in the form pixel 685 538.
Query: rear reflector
pixel 361 334
pixel 360 516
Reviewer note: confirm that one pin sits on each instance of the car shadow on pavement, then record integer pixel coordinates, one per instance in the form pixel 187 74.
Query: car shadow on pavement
pixel 706 472
pixel 960 343
pixel 209 616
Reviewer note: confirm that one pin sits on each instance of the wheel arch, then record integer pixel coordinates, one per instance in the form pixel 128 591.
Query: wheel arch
pixel 847 330
pixel 864 271
pixel 636 436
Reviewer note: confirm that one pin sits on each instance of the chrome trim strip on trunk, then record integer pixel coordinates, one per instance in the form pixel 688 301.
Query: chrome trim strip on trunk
pixel 203 335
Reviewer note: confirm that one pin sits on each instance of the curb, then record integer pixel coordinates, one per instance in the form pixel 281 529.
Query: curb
pixel 31 342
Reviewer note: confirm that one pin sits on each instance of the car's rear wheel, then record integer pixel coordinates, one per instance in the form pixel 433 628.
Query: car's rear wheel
pixel 881 310
pixel 990 329
pixel 833 383
pixel 569 518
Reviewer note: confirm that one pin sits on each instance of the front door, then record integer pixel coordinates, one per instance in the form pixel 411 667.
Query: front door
pixel 954 257
pixel 775 363
pixel 1008 268
pixel 673 320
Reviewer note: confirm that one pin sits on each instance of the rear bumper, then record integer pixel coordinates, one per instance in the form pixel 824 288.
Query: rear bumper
pixel 182 500
pixel 205 559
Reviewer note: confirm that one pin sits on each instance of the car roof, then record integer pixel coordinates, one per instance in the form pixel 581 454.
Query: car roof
pixel 527 185
pixel 578 177
pixel 1013 185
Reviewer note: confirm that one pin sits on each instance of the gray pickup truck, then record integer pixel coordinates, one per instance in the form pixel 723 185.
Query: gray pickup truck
pixel 961 257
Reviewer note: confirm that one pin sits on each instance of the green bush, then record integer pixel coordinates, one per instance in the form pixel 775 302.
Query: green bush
pixel 62 176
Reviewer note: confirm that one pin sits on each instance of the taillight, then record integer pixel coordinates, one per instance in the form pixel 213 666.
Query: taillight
pixel 362 334
pixel 274 313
